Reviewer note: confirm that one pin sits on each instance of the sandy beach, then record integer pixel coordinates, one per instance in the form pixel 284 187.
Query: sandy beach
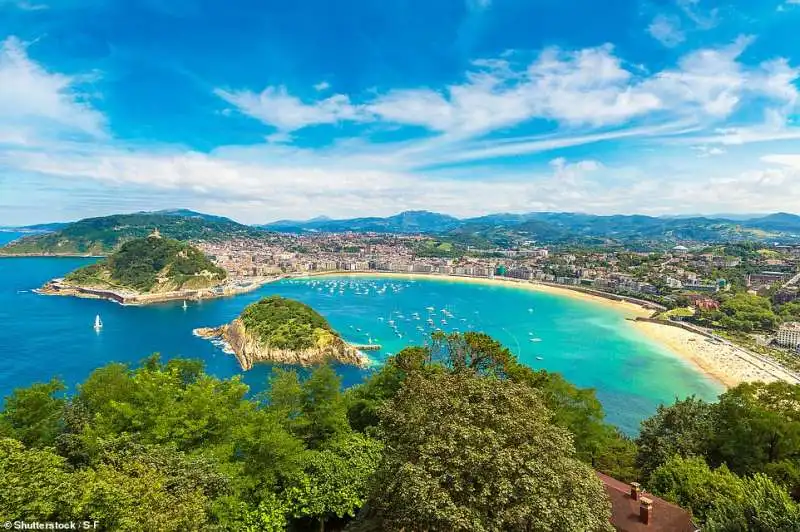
pixel 728 364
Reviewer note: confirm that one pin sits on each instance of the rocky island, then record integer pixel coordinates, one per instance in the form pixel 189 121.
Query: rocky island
pixel 146 270
pixel 283 331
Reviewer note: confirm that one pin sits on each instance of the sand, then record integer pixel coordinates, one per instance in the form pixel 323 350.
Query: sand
pixel 726 363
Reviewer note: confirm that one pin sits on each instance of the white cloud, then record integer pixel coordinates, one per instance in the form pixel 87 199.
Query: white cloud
pixel 276 107
pixel 24 5
pixel 322 85
pixel 666 30
pixel 33 99
pixel 590 88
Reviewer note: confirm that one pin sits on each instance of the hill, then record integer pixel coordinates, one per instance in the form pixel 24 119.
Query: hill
pixel 404 222
pixel 565 228
pixel 100 236
pixel 150 265
pixel 284 331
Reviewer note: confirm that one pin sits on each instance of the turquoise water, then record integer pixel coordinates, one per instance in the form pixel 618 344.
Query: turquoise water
pixel 591 345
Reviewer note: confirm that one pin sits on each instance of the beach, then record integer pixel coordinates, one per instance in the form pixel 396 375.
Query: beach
pixel 727 364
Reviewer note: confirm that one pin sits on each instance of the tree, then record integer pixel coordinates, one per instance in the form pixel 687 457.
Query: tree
pixel 477 453
pixel 33 414
pixel 756 425
pixel 691 484
pixel 35 484
pixel 683 429
pixel 765 507
pixel 334 481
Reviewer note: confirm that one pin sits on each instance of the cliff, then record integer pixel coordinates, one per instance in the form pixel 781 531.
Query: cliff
pixel 249 350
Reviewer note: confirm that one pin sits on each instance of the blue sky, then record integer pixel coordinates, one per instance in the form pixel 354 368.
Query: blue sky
pixel 261 110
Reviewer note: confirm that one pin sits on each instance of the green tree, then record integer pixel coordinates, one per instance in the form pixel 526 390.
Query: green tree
pixel 765 507
pixel 477 453
pixel 33 414
pixel 683 429
pixel 691 484
pixel 35 484
pixel 334 480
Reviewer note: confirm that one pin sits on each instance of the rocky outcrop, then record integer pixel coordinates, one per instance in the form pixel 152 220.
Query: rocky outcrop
pixel 249 350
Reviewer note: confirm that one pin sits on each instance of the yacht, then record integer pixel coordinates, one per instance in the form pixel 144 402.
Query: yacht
pixel 98 323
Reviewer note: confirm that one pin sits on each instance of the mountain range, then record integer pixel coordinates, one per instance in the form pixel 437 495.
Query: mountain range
pixel 102 235
pixel 563 226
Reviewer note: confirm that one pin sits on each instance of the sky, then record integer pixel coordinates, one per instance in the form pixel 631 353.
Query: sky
pixel 264 109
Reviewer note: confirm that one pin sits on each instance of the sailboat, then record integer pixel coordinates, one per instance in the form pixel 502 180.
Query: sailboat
pixel 98 323
pixel 185 306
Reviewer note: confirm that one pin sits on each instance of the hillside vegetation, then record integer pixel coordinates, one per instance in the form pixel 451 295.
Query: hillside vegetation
pixel 455 436
pixel 285 323
pixel 151 265
pixel 100 236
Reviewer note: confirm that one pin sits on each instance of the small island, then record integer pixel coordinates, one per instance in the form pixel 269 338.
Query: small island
pixel 146 270
pixel 283 331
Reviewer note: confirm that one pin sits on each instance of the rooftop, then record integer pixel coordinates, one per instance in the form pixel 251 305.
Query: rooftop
pixel 626 511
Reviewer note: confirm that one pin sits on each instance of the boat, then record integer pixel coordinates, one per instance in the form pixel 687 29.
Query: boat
pixel 530 310
pixel 98 323
pixel 185 306
pixel 539 358
pixel 536 339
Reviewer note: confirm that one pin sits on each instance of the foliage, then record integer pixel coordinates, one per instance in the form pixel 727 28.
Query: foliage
pixel 478 453
pixel 765 507
pixel 100 236
pixel 140 264
pixel 286 324
pixel 691 484
pixel 753 429
pixel 746 312
pixel 33 415
pixel 681 429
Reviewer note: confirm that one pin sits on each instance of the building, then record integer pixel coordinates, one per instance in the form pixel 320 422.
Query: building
pixel 680 250
pixel 789 335
pixel 766 278
pixel 633 511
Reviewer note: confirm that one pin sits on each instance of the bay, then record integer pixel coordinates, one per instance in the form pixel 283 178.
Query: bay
pixel 591 345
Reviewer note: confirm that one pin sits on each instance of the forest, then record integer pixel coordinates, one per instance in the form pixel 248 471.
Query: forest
pixel 139 263
pixel 453 436
pixel 284 323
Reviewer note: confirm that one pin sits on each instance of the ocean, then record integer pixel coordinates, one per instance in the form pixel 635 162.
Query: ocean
pixel 591 345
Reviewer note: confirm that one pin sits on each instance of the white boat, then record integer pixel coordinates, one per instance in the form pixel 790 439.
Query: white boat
pixel 536 339
pixel 185 306
pixel 98 323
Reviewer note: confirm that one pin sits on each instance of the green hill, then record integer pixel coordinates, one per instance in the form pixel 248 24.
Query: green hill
pixel 101 236
pixel 151 264
pixel 286 324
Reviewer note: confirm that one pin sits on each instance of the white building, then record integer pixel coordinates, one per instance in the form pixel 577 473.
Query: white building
pixel 789 335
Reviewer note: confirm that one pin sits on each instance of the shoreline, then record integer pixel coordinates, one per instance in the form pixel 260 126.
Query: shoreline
pixel 727 364
pixel 723 361
pixel 129 298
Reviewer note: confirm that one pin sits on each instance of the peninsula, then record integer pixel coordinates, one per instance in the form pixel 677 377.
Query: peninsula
pixel 283 331
pixel 145 270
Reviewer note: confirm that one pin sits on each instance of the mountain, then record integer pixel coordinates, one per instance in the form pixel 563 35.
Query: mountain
pixel 780 222
pixel 100 236
pixel 405 222
pixel 564 227
pixel 37 228
pixel 150 265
